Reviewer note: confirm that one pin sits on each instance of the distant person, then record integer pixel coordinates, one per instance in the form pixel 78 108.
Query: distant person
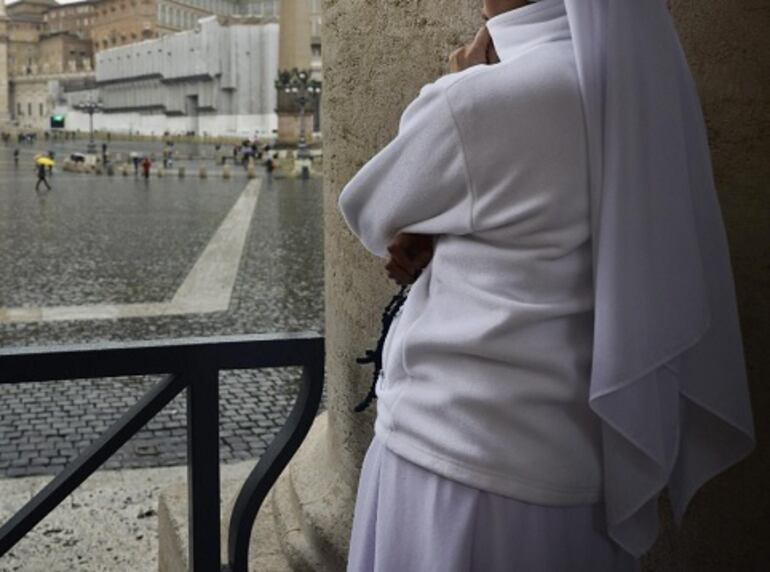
pixel 136 160
pixel 146 167
pixel 41 173
pixel 15 157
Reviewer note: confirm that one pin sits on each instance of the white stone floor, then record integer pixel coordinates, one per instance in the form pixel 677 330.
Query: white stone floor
pixel 109 524
pixel 207 288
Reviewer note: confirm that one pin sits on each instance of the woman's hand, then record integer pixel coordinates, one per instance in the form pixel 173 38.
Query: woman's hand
pixel 409 254
pixel 480 51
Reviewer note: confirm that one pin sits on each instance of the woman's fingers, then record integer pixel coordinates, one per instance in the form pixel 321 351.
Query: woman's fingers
pixel 412 251
pixel 398 273
pixel 457 60
pixel 423 258
pixel 399 255
pixel 474 53
pixel 482 39
pixel 409 254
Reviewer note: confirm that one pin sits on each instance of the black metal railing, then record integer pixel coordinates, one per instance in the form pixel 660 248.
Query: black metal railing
pixel 192 364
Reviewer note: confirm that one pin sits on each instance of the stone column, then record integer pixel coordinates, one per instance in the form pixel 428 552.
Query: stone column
pixel 294 35
pixel 377 55
pixel 4 95
pixel 293 52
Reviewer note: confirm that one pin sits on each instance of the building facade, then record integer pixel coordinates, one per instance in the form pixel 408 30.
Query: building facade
pixel 45 43
pixel 122 22
pixel 4 92
pixel 214 80
pixel 25 27
pixel 76 18
pixel 50 46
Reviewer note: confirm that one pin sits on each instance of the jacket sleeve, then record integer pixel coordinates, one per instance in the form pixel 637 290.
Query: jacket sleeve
pixel 418 183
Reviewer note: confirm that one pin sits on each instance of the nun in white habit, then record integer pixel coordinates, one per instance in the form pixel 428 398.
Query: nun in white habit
pixel 572 347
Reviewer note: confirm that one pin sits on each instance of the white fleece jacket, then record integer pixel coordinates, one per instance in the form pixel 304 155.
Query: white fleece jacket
pixel 486 366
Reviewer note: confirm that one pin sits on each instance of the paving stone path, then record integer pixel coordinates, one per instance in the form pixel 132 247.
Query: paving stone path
pixel 144 247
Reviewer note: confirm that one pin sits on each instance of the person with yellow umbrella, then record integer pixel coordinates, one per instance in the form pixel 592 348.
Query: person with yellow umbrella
pixel 43 163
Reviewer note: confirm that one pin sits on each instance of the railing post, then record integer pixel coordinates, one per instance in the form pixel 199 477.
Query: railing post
pixel 275 459
pixel 203 469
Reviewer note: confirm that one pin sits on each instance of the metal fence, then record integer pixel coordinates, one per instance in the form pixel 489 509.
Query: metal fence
pixel 192 364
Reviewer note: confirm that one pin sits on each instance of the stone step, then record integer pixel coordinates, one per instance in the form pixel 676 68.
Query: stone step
pixel 172 525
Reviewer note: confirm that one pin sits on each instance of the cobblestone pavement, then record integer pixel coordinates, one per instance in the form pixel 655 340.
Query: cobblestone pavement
pixel 97 240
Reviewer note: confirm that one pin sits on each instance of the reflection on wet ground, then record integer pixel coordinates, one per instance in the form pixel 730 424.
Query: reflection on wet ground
pixel 120 240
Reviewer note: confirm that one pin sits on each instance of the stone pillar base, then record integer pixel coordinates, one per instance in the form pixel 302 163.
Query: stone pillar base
pixel 313 506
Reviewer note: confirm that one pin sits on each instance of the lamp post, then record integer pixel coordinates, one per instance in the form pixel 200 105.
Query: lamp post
pixel 90 107
pixel 297 83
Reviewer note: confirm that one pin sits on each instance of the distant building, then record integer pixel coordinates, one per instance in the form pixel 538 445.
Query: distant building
pixel 122 22
pixel 45 43
pixel 4 91
pixel 215 80
pixel 76 18
pixel 46 47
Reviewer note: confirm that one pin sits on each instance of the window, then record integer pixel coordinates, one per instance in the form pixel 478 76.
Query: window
pixel 41 110
pixel 29 109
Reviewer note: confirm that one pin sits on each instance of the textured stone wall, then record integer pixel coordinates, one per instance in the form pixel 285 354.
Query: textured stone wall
pixel 4 96
pixel 377 55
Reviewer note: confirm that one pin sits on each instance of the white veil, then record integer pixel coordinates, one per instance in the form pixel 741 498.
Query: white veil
pixel 668 377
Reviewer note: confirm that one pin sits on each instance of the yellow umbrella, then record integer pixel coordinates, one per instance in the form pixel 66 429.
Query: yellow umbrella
pixel 45 161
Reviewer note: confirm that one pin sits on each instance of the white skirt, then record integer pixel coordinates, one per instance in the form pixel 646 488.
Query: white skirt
pixel 408 519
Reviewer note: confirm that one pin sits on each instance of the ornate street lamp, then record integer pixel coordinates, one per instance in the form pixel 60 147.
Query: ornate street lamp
pixel 297 84
pixel 90 107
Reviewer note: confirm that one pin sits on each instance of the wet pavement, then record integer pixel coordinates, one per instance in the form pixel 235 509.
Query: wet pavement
pixel 121 240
